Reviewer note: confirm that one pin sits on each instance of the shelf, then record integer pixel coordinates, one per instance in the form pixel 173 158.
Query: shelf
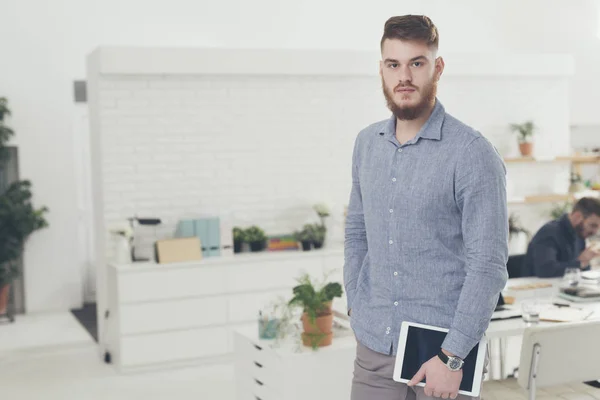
pixel 576 159
pixel 553 198
pixel 544 198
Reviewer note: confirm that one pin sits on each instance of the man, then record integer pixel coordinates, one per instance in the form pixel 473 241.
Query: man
pixel 560 244
pixel 427 225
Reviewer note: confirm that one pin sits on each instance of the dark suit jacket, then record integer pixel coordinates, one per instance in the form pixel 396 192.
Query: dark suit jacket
pixel 554 248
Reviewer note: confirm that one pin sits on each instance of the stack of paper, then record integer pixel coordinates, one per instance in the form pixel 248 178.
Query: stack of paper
pixel 564 314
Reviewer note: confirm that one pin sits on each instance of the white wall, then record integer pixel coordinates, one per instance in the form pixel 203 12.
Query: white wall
pixel 50 40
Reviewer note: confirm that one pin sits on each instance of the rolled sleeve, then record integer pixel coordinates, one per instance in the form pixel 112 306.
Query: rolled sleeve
pixel 480 190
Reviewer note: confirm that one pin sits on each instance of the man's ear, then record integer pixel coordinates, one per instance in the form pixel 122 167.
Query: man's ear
pixel 381 69
pixel 439 68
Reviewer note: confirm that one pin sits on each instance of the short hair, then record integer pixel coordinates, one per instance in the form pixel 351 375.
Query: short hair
pixel 587 206
pixel 411 27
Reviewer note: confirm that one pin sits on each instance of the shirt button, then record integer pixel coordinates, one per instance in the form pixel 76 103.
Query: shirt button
pixel 395 303
pixel 395 274
pixel 399 150
pixel 391 242
pixel 393 179
pixel 391 210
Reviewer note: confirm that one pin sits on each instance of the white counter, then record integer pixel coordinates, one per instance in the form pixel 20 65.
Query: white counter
pixel 170 313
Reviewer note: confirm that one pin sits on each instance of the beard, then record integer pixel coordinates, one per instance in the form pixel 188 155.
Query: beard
pixel 409 113
pixel 580 229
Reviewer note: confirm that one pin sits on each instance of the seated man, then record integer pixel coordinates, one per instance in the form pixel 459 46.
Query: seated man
pixel 560 244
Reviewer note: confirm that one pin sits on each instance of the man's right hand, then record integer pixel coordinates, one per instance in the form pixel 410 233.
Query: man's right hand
pixel 586 256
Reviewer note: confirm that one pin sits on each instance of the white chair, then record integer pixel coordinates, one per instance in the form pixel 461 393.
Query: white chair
pixel 558 354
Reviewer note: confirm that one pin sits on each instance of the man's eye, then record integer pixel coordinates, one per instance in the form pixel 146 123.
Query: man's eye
pixel 393 65
pixel 417 63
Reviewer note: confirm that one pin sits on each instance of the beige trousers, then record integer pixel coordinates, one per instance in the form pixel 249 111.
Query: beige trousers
pixel 373 379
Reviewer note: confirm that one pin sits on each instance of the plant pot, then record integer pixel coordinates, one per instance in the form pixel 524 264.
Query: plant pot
pixel 317 340
pixel 318 245
pixel 257 246
pixel 237 246
pixel 323 324
pixel 306 245
pixel 4 292
pixel 526 148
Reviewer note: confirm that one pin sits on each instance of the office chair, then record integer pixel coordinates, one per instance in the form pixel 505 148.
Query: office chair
pixel 560 354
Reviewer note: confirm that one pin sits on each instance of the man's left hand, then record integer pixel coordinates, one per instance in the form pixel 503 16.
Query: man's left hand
pixel 440 381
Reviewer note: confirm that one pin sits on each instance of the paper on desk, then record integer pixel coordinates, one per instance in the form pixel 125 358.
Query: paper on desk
pixel 564 314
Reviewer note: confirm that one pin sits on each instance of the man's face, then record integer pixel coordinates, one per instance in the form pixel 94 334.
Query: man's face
pixel 587 227
pixel 409 74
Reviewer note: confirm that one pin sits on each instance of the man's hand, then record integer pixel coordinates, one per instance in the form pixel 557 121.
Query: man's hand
pixel 587 255
pixel 440 381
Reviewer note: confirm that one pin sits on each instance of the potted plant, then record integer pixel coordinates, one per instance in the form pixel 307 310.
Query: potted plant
pixel 4 111
pixel 5 131
pixel 305 238
pixel 317 317
pixel 320 230
pixel 18 220
pixel 558 210
pixel 238 239
pixel 256 238
pixel 518 236
pixel 525 137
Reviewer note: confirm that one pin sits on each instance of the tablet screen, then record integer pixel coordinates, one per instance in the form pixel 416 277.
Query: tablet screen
pixel 423 344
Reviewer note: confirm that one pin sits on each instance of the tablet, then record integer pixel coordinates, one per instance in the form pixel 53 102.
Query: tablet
pixel 419 343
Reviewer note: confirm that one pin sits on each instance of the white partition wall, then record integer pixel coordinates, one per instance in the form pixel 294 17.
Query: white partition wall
pixel 260 136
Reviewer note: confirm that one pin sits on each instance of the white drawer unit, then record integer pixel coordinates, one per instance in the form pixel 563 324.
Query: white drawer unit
pixel 165 314
pixel 265 371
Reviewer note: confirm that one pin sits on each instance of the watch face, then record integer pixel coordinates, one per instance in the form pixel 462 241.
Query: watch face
pixel 454 364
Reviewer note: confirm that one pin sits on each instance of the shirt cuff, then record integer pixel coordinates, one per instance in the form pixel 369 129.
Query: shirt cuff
pixel 458 344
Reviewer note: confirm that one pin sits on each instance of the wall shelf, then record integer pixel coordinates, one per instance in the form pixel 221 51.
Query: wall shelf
pixel 576 159
pixel 553 198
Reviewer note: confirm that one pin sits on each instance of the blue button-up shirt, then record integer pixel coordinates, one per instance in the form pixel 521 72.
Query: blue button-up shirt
pixel 426 233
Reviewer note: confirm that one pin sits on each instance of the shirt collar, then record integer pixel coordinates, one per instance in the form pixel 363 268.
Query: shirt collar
pixel 432 129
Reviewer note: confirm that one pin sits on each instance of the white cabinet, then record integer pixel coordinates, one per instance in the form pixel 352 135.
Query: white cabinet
pixel 161 314
pixel 266 371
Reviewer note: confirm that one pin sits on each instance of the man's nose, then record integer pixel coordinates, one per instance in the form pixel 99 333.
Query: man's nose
pixel 404 74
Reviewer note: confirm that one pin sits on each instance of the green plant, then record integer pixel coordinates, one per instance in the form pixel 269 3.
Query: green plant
pixel 254 234
pixel 314 298
pixel 238 234
pixel 318 233
pixel 514 225
pixel 4 110
pixel 5 132
pixel 524 131
pixel 18 220
pixel 558 210
pixel 303 236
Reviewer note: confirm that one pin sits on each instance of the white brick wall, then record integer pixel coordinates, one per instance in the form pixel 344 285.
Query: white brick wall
pixel 260 150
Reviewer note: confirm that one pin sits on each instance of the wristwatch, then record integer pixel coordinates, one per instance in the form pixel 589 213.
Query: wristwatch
pixel 453 363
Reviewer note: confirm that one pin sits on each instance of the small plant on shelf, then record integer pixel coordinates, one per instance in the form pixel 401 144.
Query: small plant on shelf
pixel 305 238
pixel 515 227
pixel 238 239
pixel 524 136
pixel 256 238
pixel 558 210
pixel 317 317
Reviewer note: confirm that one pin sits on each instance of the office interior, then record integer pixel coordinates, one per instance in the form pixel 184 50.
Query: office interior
pixel 190 163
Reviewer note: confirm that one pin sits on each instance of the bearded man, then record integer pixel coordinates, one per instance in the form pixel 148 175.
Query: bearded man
pixel 427 225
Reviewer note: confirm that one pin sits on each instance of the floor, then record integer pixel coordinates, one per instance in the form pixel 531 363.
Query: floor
pixel 53 357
